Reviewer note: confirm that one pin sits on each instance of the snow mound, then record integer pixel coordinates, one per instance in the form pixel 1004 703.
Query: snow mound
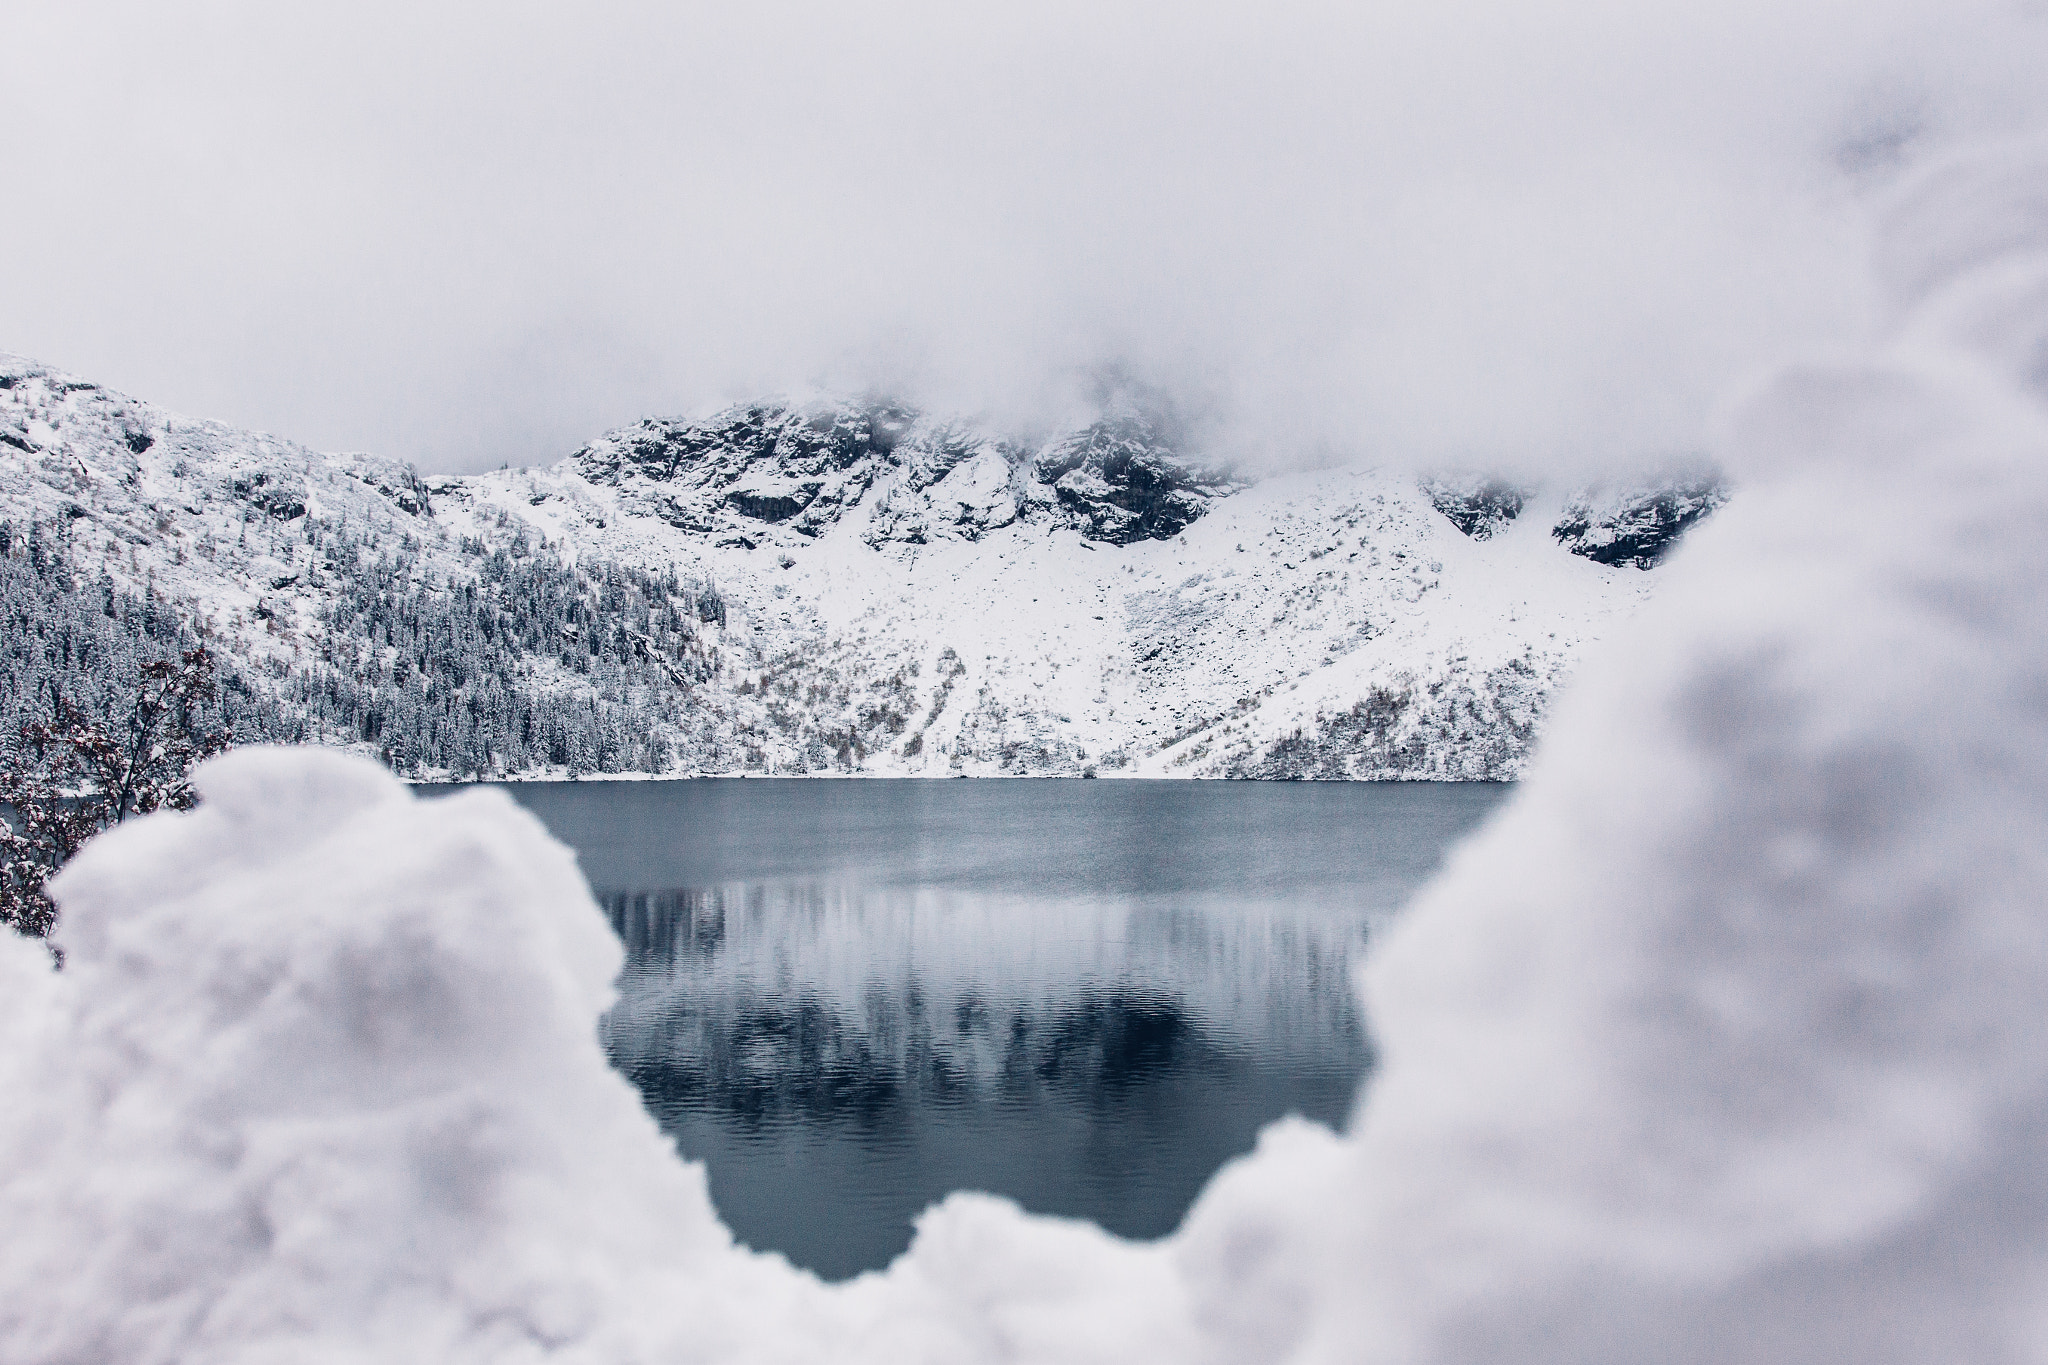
pixel 320 1076
pixel 1726 1042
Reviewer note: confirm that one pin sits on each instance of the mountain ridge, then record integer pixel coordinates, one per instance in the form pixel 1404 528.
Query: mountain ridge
pixel 895 592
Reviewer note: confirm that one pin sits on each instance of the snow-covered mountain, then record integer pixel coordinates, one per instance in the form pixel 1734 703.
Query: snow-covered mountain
pixel 855 587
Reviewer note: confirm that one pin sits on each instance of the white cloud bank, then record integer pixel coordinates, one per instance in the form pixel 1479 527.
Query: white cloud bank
pixel 1522 231
pixel 1726 1042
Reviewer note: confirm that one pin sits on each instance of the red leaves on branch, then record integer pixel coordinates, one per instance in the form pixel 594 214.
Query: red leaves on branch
pixel 74 775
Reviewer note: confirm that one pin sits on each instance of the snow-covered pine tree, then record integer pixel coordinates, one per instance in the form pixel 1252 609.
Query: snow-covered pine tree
pixel 75 774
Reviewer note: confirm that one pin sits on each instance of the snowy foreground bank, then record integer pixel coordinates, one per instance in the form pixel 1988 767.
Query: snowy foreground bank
pixel 1727 1041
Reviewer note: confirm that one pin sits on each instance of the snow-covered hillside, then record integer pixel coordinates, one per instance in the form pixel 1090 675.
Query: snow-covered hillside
pixel 860 587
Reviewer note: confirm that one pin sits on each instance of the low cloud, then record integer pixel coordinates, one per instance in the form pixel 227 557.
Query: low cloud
pixel 1525 235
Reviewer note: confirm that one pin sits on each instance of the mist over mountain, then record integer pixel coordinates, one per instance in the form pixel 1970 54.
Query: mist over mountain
pixel 1540 238
pixel 832 587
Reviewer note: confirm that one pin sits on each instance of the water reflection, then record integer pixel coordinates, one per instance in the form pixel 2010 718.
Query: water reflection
pixel 805 999
pixel 892 994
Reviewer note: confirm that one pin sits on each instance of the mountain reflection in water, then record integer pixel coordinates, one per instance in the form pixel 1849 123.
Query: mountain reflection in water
pixel 877 993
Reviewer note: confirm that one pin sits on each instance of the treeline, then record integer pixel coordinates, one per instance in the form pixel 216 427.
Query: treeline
pixel 517 662
pixel 73 641
pixel 466 659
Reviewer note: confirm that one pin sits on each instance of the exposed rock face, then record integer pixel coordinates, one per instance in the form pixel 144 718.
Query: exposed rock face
pixel 1637 525
pixel 1117 481
pixel 760 463
pixel 955 483
pixel 280 497
pixel 399 482
pixel 1476 504
pixel 1120 480
pixel 889 597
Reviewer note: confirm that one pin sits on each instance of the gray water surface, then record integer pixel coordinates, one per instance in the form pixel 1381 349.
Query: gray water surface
pixel 851 998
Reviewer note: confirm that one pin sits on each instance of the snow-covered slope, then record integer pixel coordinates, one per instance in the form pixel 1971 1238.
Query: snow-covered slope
pixel 196 512
pixel 909 595
pixel 1097 605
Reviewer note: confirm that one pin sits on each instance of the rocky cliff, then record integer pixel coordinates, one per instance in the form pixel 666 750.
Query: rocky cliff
pixel 857 587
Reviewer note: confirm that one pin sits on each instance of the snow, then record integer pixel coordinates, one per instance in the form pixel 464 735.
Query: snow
pixel 1255 631
pixel 1283 604
pixel 321 1081
pixel 1727 1041
pixel 187 516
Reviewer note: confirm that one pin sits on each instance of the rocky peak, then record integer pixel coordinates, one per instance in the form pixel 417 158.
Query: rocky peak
pixel 758 463
pixel 765 465
pixel 1123 479
pixel 1477 504
pixel 1638 524
pixel 798 441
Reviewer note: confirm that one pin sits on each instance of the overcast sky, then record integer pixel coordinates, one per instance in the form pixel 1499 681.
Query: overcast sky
pixel 1440 230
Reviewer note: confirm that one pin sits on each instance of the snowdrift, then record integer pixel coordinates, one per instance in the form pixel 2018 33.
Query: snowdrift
pixel 1727 1041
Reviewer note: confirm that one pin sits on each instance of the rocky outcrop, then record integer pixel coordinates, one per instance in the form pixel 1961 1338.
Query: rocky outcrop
pixel 1478 505
pixel 1122 480
pixel 758 463
pixel 401 483
pixel 955 483
pixel 766 465
pixel 277 495
pixel 1637 524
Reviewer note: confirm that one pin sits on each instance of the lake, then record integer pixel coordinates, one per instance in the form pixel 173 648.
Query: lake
pixel 850 998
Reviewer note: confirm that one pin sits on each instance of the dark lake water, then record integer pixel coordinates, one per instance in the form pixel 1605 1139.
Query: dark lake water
pixel 850 998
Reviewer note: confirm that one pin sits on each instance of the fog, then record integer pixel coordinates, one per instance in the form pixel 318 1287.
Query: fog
pixel 1536 236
